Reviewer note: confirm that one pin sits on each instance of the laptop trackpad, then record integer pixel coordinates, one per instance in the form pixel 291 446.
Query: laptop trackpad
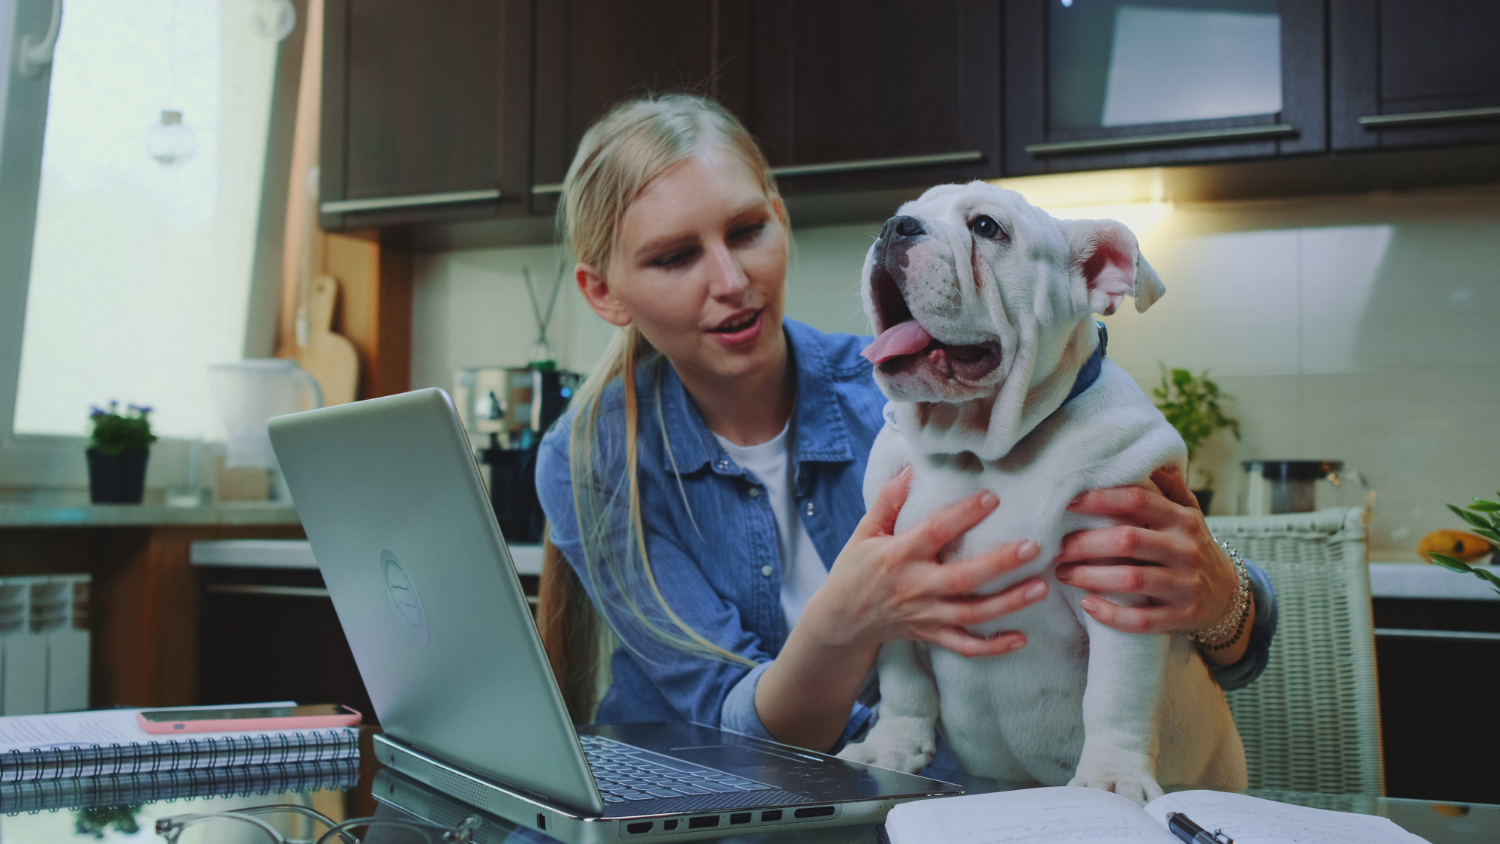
pixel 742 757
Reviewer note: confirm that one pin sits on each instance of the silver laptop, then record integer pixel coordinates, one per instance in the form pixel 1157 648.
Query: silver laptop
pixel 424 587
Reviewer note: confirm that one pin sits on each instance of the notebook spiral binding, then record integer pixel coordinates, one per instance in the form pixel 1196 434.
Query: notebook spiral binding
pixel 96 760
pixel 149 786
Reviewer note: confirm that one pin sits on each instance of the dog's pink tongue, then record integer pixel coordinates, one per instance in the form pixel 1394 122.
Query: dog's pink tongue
pixel 903 338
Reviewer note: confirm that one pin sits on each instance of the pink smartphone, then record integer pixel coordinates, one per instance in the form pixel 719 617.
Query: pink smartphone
pixel 235 718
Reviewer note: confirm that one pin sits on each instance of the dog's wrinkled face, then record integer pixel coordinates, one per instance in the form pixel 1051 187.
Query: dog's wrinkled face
pixel 966 275
pixel 931 290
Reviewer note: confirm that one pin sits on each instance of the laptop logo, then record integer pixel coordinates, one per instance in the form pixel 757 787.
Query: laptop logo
pixel 404 598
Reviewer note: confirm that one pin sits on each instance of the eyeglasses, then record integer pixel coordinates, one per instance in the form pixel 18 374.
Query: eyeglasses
pixel 271 820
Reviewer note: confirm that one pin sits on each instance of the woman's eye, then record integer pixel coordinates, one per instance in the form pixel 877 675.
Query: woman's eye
pixel 747 232
pixel 985 226
pixel 672 259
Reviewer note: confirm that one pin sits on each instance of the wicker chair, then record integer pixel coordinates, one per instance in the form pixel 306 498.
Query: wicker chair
pixel 1311 722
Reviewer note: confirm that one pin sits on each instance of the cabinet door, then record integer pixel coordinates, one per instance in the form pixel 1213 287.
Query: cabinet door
pixel 426 110
pixel 1114 83
pixel 853 94
pixel 593 53
pixel 1408 73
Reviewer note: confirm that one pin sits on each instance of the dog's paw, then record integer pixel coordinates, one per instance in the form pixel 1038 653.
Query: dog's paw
pixel 901 744
pixel 1138 786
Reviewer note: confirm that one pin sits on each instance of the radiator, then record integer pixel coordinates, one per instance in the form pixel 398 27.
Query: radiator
pixel 44 644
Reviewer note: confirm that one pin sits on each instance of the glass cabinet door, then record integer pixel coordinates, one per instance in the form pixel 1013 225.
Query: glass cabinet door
pixel 1095 83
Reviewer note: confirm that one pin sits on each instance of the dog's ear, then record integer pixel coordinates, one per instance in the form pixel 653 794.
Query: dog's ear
pixel 1106 255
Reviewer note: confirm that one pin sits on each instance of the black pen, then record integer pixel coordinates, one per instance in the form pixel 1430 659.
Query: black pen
pixel 1183 827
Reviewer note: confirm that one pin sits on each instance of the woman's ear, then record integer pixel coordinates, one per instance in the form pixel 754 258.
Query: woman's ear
pixel 596 291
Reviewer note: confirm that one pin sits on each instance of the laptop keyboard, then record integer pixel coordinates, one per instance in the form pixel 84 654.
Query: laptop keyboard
pixel 626 774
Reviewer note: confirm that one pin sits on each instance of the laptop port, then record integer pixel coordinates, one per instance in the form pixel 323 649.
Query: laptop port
pixel 703 821
pixel 739 817
pixel 770 815
pixel 638 828
pixel 669 825
pixel 541 821
pixel 814 812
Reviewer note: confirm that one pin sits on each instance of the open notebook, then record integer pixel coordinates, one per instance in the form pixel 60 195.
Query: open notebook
pixel 109 741
pixel 1056 815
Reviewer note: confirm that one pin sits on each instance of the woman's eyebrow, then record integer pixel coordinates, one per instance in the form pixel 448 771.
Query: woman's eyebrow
pixel 666 243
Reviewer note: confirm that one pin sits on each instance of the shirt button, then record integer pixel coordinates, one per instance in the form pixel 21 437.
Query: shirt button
pixel 765 571
pixel 809 509
pixel 755 492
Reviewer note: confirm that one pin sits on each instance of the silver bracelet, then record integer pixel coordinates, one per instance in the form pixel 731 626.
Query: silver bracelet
pixel 1232 626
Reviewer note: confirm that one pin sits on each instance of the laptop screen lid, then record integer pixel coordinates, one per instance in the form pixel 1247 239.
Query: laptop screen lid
pixel 423 584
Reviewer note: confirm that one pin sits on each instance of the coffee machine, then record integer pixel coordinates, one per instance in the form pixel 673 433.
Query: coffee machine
pixel 506 411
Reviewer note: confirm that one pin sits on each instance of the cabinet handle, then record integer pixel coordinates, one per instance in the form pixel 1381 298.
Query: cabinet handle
pixel 342 206
pixel 1275 130
pixel 1461 635
pixel 267 591
pixel 931 160
pixel 1419 118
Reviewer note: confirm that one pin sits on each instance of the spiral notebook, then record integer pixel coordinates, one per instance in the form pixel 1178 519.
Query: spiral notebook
pixel 107 742
pixel 116 789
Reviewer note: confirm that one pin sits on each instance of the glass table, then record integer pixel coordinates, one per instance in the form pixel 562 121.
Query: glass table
pixel 373 791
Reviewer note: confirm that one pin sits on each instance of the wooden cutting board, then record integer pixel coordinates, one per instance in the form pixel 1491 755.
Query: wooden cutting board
pixel 328 357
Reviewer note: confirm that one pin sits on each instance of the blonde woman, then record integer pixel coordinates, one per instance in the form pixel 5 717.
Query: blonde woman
pixel 705 486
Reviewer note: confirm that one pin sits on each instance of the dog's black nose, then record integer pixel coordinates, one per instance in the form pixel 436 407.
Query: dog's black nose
pixel 903 226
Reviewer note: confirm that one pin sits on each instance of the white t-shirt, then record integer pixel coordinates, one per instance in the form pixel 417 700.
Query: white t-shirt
pixel 802 570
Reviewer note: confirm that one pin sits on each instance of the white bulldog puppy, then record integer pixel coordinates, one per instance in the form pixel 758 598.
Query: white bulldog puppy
pixel 983 305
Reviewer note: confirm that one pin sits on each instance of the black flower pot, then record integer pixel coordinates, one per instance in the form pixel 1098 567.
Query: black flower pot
pixel 117 480
pixel 1205 498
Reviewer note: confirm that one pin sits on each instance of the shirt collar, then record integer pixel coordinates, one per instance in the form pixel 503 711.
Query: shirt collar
pixel 818 429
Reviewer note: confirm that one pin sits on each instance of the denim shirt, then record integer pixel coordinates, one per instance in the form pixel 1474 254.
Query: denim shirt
pixel 712 542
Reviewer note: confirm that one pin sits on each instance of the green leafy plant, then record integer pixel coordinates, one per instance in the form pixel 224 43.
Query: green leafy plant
pixel 1483 517
pixel 1191 405
pixel 116 433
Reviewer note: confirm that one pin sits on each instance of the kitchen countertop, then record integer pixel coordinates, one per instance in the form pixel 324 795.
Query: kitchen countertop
pixel 141 515
pixel 297 554
pixel 1423 580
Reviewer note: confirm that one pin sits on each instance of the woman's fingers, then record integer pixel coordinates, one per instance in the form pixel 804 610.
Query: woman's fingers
pixel 924 541
pixel 964 577
pixel 880 519
pixel 961 641
pixel 1127 541
pixel 1132 619
pixel 1151 581
pixel 1137 504
pixel 1174 486
pixel 974 610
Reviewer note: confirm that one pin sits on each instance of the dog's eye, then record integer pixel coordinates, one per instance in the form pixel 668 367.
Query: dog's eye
pixel 985 226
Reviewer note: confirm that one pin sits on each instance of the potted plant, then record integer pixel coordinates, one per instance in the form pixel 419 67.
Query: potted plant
pixel 117 453
pixel 1483 517
pixel 1191 405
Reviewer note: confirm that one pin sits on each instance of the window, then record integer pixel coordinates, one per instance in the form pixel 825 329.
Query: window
pixel 141 270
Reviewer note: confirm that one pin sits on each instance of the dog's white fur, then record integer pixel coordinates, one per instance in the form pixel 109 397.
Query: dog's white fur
pixel 1082 703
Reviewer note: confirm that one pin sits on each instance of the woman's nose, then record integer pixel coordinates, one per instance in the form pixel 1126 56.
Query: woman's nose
pixel 727 278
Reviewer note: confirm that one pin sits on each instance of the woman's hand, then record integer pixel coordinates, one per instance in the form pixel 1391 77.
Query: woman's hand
pixel 1165 553
pixel 885 587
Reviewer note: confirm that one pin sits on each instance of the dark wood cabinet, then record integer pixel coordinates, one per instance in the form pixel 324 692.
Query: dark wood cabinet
pixel 1436 661
pixel 1410 73
pixel 594 53
pixel 426 111
pixel 854 94
pixel 1092 86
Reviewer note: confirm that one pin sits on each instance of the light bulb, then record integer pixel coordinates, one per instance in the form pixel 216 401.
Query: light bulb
pixel 274 19
pixel 169 140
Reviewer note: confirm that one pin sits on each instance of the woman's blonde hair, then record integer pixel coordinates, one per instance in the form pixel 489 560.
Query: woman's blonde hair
pixel 618 156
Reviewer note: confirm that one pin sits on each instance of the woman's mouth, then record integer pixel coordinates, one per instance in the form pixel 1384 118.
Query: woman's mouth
pixel 740 329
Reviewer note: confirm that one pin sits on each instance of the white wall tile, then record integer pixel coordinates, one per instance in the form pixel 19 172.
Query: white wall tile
pixel 1358 328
